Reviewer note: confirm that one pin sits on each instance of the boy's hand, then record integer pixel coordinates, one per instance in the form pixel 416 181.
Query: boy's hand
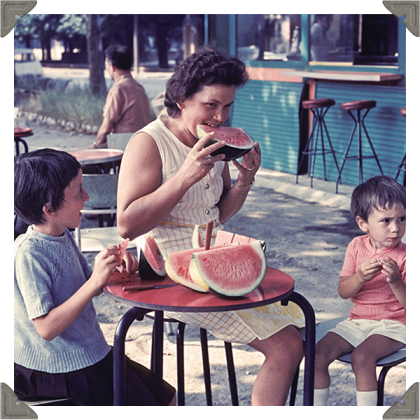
pixel 391 270
pixel 129 262
pixel 369 269
pixel 105 262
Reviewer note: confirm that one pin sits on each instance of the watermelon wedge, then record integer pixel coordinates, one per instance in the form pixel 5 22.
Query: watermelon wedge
pixel 224 238
pixel 151 262
pixel 177 266
pixel 233 271
pixel 238 142
pixel 122 247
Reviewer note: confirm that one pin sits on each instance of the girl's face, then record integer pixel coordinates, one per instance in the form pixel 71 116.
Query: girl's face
pixel 69 214
pixel 209 106
pixel 386 227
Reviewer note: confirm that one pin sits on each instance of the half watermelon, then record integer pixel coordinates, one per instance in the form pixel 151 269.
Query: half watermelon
pixel 232 271
pixel 151 262
pixel 238 142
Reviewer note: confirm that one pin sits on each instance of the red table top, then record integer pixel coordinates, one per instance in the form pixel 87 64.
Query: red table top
pixel 23 132
pixel 275 286
pixel 91 156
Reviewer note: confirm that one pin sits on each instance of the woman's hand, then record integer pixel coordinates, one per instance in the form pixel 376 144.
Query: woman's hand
pixel 199 161
pixel 249 166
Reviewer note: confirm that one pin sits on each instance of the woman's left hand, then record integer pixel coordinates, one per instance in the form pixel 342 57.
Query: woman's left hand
pixel 249 166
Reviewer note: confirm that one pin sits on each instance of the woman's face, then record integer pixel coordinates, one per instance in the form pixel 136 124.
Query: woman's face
pixel 209 106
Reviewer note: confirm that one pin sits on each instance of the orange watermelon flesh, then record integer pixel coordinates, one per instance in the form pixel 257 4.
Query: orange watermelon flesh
pixel 122 247
pixel 233 271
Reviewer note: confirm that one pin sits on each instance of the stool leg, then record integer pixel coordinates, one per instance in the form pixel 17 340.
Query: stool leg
pixel 206 365
pixel 180 363
pixel 381 385
pixel 370 142
pixel 329 139
pixel 293 389
pixel 231 374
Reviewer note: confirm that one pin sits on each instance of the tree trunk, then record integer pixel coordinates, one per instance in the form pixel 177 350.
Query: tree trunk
pixel 95 55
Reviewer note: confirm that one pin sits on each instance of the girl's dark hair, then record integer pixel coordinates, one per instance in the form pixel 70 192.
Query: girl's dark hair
pixel 41 177
pixel 379 192
pixel 119 56
pixel 204 68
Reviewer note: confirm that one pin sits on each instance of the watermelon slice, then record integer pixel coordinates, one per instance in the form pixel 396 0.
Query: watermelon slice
pixel 232 271
pixel 223 238
pixel 177 266
pixel 151 262
pixel 238 142
pixel 122 247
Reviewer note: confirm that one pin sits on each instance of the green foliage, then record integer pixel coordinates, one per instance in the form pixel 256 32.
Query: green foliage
pixel 76 104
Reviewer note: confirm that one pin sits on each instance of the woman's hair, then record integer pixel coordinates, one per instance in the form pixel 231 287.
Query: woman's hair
pixel 379 192
pixel 204 68
pixel 119 56
pixel 41 177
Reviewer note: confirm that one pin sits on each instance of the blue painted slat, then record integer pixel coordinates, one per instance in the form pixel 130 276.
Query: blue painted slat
pixel 269 112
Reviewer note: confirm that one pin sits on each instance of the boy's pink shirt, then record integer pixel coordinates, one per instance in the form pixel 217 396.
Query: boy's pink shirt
pixel 375 300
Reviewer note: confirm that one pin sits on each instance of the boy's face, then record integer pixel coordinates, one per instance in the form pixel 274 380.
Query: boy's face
pixel 69 214
pixel 385 227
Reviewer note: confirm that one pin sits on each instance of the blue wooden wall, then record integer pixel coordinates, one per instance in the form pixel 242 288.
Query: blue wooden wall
pixel 269 113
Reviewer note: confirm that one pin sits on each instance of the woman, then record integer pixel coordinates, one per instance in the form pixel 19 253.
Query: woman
pixel 169 183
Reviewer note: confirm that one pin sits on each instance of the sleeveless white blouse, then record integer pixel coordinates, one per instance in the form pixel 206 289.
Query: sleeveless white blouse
pixel 174 233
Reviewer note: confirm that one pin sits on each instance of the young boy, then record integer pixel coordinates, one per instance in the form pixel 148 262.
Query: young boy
pixel 60 350
pixel 374 279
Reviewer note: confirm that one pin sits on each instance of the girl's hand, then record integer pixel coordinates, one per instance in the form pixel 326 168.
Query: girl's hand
pixel 198 162
pixel 391 270
pixel 105 262
pixel 249 166
pixel 130 263
pixel 369 269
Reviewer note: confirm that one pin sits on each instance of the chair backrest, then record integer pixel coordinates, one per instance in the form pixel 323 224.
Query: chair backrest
pixel 102 190
pixel 118 140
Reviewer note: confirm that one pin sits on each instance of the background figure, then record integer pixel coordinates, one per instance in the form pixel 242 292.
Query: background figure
pixel 320 45
pixel 127 106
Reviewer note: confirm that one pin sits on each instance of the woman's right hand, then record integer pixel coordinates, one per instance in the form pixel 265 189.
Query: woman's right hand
pixel 199 161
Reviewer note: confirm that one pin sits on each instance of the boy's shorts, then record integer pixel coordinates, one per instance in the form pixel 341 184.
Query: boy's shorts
pixel 356 331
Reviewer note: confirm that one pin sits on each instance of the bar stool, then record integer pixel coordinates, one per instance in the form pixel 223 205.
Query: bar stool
pixel 319 108
pixel 359 122
pixel 401 166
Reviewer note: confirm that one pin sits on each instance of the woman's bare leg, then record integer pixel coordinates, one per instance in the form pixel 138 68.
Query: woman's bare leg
pixel 283 353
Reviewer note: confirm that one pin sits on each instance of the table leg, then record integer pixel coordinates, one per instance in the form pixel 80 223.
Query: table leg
pixel 119 351
pixel 157 344
pixel 308 384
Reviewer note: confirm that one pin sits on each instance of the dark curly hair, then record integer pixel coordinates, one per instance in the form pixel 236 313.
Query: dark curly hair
pixel 204 68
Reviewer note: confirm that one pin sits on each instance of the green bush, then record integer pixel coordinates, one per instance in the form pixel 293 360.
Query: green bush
pixel 76 104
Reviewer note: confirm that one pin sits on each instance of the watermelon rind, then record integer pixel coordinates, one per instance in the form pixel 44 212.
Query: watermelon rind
pixel 146 269
pixel 196 240
pixel 230 151
pixel 222 286
pixel 170 271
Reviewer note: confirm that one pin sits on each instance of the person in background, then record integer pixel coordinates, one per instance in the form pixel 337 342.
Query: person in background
pixel 60 351
pixel 374 279
pixel 127 106
pixel 320 44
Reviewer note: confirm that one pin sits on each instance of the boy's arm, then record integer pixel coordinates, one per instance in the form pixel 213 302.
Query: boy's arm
pixel 61 317
pixel 349 286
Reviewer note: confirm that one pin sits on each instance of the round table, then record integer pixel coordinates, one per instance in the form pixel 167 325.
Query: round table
pixel 19 133
pixel 91 157
pixel 276 286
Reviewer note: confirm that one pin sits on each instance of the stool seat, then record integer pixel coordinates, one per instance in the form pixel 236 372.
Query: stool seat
pixel 317 103
pixel 403 112
pixel 349 106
